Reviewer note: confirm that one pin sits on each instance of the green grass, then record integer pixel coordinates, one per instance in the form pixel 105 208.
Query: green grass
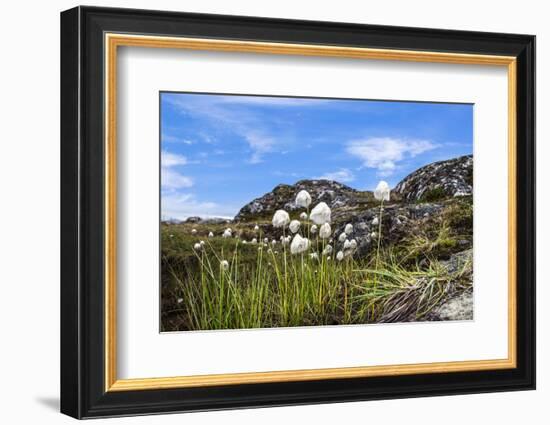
pixel 433 195
pixel 269 287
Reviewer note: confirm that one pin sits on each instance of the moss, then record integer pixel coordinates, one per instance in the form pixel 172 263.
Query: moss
pixel 435 194
pixel 460 216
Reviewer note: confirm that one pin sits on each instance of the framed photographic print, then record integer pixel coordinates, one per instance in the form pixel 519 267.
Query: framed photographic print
pixel 261 212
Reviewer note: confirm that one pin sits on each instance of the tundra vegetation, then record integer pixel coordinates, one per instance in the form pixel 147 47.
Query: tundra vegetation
pixel 321 253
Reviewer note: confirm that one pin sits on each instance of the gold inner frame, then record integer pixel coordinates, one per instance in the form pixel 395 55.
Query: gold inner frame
pixel 113 41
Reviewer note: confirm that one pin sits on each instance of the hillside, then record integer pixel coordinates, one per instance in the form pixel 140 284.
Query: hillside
pixel 427 225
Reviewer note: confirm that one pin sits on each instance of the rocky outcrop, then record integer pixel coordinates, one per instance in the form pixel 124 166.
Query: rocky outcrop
pixel 335 195
pixel 438 180
pixel 397 221
pixel 458 304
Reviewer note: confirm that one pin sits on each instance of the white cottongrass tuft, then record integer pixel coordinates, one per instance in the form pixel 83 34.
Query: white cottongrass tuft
pixel 256 228
pixel 245 242
pixel 254 241
pixel 303 216
pixel 266 240
pixel 202 243
pixel 314 256
pixel 348 229
pixel 327 250
pixel 320 214
pixel 180 300
pixel 224 264
pixel 303 199
pixel 314 228
pixel 171 235
pixel 342 237
pixel 193 231
pixel 273 242
pixel 373 235
pixel 375 221
pixel 197 246
pixel 347 244
pixel 353 244
pixel 340 256
pixel 227 233
pixel 294 226
pixel 299 244
pixel 324 231
pixel 382 191
pixel 210 235
pixel 280 218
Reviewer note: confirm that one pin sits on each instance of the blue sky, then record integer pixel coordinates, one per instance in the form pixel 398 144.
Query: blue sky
pixel 218 152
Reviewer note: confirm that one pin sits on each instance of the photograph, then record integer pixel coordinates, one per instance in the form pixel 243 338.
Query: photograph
pixel 292 211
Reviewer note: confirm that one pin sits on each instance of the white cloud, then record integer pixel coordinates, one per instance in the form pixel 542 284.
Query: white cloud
pixel 384 153
pixel 232 114
pixel 171 179
pixel 260 145
pixel 169 159
pixel 343 176
pixel 173 139
pixel 183 205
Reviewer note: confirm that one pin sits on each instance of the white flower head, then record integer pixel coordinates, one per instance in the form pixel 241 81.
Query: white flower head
pixel 245 242
pixel 197 246
pixel 273 242
pixel 327 250
pixel 254 241
pixel 314 228
pixel 347 244
pixel 342 237
pixel 224 264
pixel 349 229
pixel 340 256
pixel 375 221
pixel 303 199
pixel 314 256
pixel 299 244
pixel 382 191
pixel 171 235
pixel 320 214
pixel 202 243
pixel 373 235
pixel 227 233
pixel 266 240
pixel 180 300
pixel 280 218
pixel 294 226
pixel 210 235
pixel 353 244
pixel 303 216
pixel 256 228
pixel 324 231
pixel 193 231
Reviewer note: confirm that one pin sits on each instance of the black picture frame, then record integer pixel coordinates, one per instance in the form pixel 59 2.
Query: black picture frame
pixel 83 392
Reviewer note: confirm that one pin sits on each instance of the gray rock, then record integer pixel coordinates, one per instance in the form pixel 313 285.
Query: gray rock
pixel 460 307
pixel 451 178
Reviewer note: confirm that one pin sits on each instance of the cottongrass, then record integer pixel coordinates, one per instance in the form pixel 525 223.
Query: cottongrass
pixel 307 281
